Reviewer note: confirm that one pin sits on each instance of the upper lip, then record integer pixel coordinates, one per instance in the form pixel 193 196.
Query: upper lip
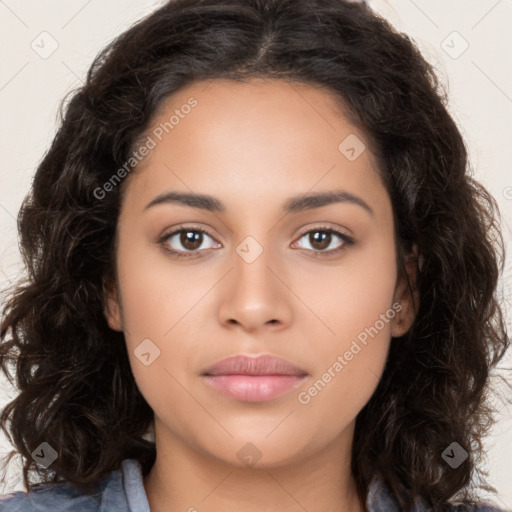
pixel 247 365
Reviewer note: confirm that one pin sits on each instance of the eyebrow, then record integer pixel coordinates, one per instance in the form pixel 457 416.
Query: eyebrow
pixel 292 205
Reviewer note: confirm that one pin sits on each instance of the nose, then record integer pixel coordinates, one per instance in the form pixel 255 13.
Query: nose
pixel 254 294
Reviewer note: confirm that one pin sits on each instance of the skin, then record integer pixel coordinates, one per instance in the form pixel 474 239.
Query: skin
pixel 252 146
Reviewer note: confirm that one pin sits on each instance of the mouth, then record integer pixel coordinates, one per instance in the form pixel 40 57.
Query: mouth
pixel 251 379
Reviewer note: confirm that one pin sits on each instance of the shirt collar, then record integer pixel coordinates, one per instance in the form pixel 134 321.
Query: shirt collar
pixel 379 498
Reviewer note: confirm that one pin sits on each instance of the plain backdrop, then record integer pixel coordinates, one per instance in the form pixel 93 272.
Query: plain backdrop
pixel 46 48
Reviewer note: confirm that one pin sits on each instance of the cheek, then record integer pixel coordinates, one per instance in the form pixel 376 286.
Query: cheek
pixel 351 362
pixel 356 303
pixel 156 294
pixel 340 390
pixel 160 303
pixel 352 295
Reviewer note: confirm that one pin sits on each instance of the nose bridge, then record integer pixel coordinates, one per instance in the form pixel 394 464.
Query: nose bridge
pixel 253 263
pixel 255 296
pixel 257 249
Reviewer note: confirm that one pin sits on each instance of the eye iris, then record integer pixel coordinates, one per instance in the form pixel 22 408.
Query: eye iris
pixel 315 238
pixel 192 240
pixel 189 239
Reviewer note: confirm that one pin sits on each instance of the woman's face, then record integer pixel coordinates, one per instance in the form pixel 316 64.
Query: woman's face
pixel 267 277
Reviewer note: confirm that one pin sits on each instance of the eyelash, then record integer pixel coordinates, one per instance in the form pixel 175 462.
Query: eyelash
pixel 347 241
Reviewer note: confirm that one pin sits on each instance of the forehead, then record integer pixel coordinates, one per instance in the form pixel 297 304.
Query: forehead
pixel 255 140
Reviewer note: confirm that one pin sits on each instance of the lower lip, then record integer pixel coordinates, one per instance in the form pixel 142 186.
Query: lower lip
pixel 253 388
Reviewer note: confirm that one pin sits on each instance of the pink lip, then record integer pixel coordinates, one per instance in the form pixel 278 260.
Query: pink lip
pixel 253 379
pixel 250 388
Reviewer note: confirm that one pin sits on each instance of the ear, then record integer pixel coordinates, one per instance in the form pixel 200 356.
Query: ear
pixel 111 306
pixel 409 300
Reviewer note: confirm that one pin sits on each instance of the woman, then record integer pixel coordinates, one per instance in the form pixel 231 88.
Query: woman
pixel 260 275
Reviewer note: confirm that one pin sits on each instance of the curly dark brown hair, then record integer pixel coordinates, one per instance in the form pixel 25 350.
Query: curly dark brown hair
pixel 72 371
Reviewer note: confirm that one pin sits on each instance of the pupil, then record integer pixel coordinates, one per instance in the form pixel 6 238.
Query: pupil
pixel 189 239
pixel 324 236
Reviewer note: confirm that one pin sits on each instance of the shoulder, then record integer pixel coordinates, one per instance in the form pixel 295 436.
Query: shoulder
pixel 113 493
pixel 49 497
pixel 481 507
pixel 381 499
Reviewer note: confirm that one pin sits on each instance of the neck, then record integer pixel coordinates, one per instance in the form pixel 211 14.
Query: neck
pixel 186 479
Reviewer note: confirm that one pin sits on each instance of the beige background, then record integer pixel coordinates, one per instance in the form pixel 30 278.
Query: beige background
pixel 479 80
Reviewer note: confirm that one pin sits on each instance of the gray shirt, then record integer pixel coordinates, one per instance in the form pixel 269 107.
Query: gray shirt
pixel 123 491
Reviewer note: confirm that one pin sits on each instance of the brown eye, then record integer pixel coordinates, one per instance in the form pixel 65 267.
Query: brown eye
pixel 185 241
pixel 191 240
pixel 320 239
